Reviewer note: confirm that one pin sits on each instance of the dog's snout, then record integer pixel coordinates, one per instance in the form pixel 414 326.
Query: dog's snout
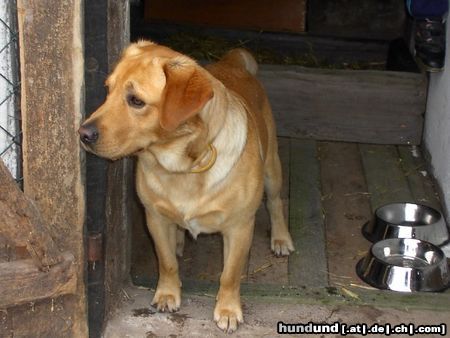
pixel 88 133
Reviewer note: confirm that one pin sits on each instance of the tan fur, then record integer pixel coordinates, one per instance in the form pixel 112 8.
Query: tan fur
pixel 186 109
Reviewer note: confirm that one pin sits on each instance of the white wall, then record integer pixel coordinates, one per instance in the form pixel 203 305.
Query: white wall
pixel 437 126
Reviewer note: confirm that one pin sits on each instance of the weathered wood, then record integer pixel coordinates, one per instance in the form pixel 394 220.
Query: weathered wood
pixel 143 255
pixel 385 178
pixel 356 19
pixel 284 152
pixel 308 263
pixel 21 281
pixel 11 252
pixel 267 16
pixel 324 49
pixel 263 267
pixel 346 105
pixel 51 60
pixel 347 207
pixel 120 176
pixel 419 180
pixel 96 71
pixel 22 223
pixel 202 258
pixel 44 318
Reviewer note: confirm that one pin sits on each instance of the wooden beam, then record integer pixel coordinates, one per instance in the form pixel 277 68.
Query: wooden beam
pixel 308 263
pixel 347 207
pixel 22 223
pixel 384 176
pixel 346 105
pixel 21 281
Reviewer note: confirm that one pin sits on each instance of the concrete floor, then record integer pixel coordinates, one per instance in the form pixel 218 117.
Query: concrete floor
pixel 137 319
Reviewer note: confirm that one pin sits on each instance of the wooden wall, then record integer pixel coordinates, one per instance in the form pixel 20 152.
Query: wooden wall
pixel 357 19
pixel 267 15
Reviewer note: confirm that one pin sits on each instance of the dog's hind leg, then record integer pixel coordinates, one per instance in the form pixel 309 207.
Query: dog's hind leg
pixel 281 242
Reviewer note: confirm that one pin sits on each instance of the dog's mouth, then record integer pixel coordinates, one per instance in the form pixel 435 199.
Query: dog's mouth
pixel 85 146
pixel 110 153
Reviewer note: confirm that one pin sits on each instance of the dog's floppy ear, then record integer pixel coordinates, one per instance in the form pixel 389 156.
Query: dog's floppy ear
pixel 187 91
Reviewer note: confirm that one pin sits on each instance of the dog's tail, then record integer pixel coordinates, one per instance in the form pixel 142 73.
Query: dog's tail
pixel 242 58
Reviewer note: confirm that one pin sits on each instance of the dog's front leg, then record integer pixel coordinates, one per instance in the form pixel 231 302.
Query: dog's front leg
pixel 168 293
pixel 237 241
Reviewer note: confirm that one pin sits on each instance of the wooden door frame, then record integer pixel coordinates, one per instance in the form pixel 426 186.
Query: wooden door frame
pixel 53 106
pixel 108 184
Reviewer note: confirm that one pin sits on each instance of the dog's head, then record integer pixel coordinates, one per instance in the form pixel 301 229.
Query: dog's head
pixel 152 92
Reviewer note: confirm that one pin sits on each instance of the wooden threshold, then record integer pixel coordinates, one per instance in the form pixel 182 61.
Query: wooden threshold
pixel 294 294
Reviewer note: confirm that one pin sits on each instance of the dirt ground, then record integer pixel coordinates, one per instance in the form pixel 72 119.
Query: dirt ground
pixel 137 319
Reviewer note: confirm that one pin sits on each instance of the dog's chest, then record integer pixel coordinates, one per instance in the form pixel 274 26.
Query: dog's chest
pixel 197 214
pixel 200 216
pixel 194 227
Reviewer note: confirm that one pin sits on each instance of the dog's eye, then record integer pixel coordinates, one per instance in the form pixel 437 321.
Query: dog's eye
pixel 135 102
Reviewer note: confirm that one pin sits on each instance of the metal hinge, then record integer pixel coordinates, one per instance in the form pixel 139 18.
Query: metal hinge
pixel 95 247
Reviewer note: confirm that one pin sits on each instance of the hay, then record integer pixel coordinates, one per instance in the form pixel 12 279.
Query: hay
pixel 209 48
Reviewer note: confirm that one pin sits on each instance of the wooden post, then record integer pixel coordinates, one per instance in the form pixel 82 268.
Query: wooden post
pixel 51 58
pixel 120 175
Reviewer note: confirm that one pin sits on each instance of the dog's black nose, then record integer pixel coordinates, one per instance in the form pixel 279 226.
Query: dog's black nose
pixel 88 133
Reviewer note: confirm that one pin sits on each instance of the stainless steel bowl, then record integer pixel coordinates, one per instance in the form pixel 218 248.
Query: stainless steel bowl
pixel 407 220
pixel 404 264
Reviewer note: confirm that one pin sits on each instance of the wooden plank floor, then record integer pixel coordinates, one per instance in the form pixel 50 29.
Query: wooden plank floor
pixel 330 190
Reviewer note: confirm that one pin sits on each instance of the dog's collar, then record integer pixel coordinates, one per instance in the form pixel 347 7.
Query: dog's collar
pixel 212 160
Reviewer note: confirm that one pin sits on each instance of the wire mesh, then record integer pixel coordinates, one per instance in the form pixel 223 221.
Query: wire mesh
pixel 10 120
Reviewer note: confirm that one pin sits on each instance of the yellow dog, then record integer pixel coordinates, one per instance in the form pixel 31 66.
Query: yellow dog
pixel 206 146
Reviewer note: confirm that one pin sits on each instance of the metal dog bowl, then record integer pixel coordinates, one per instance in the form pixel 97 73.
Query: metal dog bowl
pixel 407 220
pixel 404 264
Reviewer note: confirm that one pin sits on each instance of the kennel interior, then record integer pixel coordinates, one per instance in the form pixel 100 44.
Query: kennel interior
pixel 349 107
pixel 349 102
pixel 350 118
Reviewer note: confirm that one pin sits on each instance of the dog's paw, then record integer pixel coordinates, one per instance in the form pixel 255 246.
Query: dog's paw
pixel 166 302
pixel 282 247
pixel 228 318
